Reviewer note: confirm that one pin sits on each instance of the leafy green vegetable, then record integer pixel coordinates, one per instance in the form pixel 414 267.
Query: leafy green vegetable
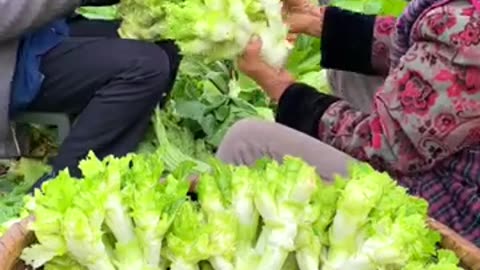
pixel 99 13
pixel 188 242
pixel 19 178
pixel 214 30
pixel 209 98
pixel 170 153
pixel 270 216
pixel 114 218
pixel 379 7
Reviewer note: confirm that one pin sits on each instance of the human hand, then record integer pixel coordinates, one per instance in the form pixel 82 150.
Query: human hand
pixel 272 81
pixel 300 6
pixel 309 23
pixel 251 62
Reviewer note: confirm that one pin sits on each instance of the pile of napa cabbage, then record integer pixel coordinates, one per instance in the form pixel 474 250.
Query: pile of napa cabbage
pixel 270 216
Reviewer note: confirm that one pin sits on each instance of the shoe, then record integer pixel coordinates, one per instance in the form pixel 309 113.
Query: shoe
pixel 45 178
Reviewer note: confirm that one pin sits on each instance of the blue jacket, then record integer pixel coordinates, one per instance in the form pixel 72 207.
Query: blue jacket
pixel 27 79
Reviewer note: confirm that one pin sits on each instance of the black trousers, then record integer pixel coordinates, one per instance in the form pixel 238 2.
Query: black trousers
pixel 111 85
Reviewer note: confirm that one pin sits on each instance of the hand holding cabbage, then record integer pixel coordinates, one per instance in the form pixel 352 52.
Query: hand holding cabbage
pixel 273 81
pixel 211 29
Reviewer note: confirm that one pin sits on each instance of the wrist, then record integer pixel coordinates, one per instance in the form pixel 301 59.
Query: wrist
pixel 273 82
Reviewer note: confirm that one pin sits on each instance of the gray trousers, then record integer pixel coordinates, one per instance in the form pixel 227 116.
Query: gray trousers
pixel 250 140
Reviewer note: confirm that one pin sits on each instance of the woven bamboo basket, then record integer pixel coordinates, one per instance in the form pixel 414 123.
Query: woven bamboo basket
pixel 18 237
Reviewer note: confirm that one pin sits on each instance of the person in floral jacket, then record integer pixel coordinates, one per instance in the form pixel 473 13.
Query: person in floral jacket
pixel 424 124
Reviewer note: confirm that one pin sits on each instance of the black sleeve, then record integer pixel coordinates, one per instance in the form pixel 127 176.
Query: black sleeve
pixel 301 107
pixel 347 39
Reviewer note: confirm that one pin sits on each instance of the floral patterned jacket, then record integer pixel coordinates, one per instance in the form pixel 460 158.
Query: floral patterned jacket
pixel 424 128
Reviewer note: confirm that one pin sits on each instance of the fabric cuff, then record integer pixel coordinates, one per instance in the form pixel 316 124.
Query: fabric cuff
pixel 301 107
pixel 347 39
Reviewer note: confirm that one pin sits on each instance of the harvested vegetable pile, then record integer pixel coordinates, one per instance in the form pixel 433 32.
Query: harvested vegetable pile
pixel 270 216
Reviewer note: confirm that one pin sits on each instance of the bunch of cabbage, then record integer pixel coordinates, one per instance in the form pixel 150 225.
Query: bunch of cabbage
pixel 262 215
pixel 114 219
pixel 142 19
pixel 377 225
pixel 213 29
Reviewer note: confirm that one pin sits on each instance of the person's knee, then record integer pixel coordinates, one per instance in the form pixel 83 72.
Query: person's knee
pixel 144 64
pixel 240 140
pixel 173 52
pixel 151 60
pixel 245 130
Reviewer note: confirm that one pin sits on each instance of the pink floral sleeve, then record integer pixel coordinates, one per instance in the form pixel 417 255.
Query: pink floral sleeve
pixel 382 41
pixel 428 107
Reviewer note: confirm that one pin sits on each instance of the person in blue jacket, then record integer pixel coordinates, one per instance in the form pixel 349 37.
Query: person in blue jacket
pixel 53 62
